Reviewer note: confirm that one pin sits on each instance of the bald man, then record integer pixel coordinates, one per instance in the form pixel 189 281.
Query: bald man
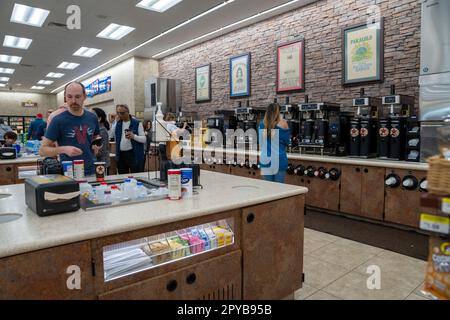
pixel 71 132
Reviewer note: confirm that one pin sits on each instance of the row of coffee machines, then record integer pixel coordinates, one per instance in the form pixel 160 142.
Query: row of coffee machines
pixel 377 127
pixel 386 128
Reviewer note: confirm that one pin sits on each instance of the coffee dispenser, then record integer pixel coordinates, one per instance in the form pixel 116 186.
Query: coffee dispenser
pixel 222 121
pixel 316 121
pixel 393 125
pixel 290 113
pixel 248 118
pixel 339 134
pixel 364 126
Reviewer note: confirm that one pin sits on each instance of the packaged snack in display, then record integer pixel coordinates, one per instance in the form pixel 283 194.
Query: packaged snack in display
pixel 212 237
pixel 194 232
pixel 185 243
pixel 228 237
pixel 158 250
pixel 220 235
pixel 197 244
pixel 437 282
pixel 177 249
pixel 205 238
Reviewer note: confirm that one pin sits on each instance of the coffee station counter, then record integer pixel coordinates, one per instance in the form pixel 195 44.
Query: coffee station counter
pixel 371 162
pixel 373 190
pixel 27 160
pixel 362 162
pixel 255 211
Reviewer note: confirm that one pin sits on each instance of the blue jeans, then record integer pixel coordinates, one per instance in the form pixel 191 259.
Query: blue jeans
pixel 279 177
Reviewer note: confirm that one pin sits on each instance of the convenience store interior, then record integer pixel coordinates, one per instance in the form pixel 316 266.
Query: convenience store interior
pixel 367 224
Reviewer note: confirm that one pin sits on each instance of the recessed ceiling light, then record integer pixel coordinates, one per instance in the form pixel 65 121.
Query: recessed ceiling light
pixel 28 15
pixel 157 5
pixel 17 43
pixel 46 82
pixel 7 70
pixel 2 85
pixel 10 59
pixel 68 65
pixel 86 52
pixel 55 75
pixel 37 88
pixel 4 79
pixel 115 32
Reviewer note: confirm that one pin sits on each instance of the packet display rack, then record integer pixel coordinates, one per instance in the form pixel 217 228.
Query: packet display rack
pixel 128 258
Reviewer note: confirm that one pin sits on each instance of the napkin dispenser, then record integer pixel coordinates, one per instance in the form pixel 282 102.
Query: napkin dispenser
pixel 8 153
pixel 52 194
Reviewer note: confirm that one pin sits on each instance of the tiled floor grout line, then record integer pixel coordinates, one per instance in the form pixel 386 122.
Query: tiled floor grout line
pixel 317 290
pixel 321 290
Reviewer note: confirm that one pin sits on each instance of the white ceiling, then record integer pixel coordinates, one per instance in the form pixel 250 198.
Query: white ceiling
pixel 53 45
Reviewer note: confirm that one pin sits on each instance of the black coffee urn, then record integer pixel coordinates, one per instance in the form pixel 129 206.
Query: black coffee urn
pixel 396 111
pixel 364 126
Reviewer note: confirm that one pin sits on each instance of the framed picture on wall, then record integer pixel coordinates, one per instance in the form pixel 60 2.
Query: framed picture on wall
pixel 240 75
pixel 363 53
pixel 203 84
pixel 291 66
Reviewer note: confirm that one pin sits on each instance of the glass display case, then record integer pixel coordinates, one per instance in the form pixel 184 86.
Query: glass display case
pixel 19 124
pixel 124 259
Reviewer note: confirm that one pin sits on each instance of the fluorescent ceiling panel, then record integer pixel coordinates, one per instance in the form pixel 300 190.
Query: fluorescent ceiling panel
pixel 86 52
pixel 37 88
pixel 17 43
pixel 115 32
pixel 55 75
pixel 7 70
pixel 45 82
pixel 28 15
pixel 157 5
pixel 10 59
pixel 4 79
pixel 68 65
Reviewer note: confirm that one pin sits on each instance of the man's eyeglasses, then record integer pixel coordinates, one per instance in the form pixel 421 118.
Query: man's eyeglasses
pixel 122 113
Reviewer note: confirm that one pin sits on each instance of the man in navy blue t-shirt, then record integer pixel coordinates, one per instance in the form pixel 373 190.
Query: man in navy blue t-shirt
pixel 73 131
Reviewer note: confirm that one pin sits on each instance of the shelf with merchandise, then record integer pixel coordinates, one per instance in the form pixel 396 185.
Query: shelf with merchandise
pixel 128 258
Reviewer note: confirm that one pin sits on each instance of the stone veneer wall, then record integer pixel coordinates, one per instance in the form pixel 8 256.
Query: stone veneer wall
pixel 321 25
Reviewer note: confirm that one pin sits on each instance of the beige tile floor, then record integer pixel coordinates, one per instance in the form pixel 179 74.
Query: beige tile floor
pixel 336 269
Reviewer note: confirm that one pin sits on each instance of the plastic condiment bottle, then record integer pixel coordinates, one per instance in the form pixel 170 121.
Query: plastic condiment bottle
pixel 132 180
pixel 128 189
pixel 141 191
pixel 116 194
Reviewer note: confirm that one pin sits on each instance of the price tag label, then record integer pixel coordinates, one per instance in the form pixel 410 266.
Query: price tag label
pixel 446 205
pixel 435 223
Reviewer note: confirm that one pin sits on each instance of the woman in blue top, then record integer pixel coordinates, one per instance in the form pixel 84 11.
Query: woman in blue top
pixel 274 136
